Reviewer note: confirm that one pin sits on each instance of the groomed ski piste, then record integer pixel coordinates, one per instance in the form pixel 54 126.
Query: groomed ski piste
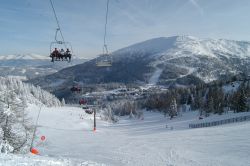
pixel 154 140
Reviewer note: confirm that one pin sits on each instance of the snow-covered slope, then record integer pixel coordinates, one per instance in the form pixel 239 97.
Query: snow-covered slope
pixel 207 59
pixel 142 142
pixel 32 160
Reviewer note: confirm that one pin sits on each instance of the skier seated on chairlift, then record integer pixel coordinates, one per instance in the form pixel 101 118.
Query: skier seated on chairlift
pixel 54 54
pixel 68 54
pixel 62 52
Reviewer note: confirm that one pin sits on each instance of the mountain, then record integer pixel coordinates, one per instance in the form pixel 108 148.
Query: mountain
pixel 182 56
pixel 177 60
pixel 32 65
pixel 23 56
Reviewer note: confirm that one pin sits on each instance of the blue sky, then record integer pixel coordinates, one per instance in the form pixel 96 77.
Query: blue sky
pixel 28 26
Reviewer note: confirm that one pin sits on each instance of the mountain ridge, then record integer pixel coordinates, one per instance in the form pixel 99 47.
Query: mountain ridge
pixel 32 65
pixel 176 60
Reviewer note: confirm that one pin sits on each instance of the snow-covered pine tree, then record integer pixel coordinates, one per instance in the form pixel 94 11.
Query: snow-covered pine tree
pixel 14 124
pixel 242 101
pixel 218 100
pixel 63 102
pixel 173 108
pixel 239 101
pixel 210 105
pixel 190 100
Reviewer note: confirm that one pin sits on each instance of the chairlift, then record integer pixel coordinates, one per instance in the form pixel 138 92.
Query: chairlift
pixel 82 102
pixel 75 89
pixel 89 111
pixel 105 59
pixel 58 45
pixel 60 50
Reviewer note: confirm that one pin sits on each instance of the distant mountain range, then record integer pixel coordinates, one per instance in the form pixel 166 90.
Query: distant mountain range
pixel 24 56
pixel 177 60
pixel 32 65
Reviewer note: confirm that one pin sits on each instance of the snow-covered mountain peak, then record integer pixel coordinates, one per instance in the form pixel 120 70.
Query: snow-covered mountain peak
pixel 186 38
pixel 155 45
pixel 186 46
pixel 30 56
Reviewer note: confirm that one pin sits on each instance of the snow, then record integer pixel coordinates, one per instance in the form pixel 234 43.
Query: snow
pixel 230 88
pixel 155 45
pixel 24 56
pixel 155 76
pixel 32 160
pixel 58 82
pixel 23 71
pixel 69 134
pixel 190 52
pixel 23 78
pixel 184 46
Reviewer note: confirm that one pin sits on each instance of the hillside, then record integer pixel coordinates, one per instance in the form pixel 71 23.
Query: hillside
pixel 178 60
pixel 15 126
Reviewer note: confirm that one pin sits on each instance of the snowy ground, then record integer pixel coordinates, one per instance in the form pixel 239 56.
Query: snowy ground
pixel 32 160
pixel 155 77
pixel 145 142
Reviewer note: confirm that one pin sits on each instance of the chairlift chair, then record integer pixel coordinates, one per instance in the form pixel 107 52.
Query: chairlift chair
pixel 61 45
pixel 104 60
pixel 75 89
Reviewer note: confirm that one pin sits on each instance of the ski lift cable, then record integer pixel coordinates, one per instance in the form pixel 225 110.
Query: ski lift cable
pixel 58 25
pixel 105 47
